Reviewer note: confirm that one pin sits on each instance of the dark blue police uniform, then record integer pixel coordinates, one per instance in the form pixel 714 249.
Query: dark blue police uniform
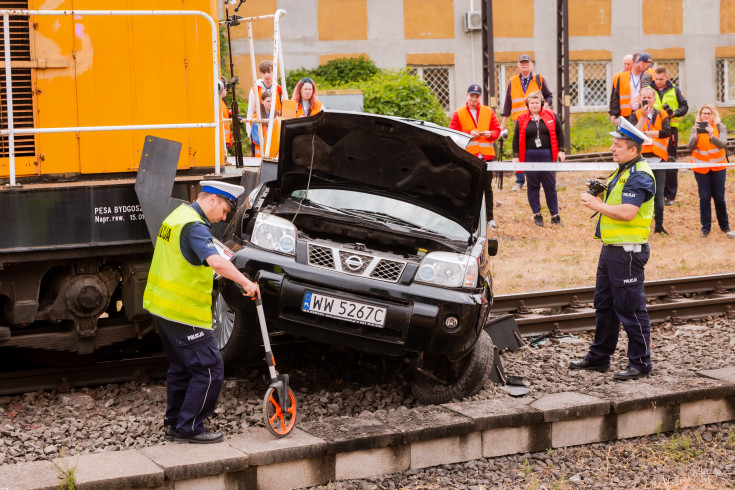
pixel 619 295
pixel 196 371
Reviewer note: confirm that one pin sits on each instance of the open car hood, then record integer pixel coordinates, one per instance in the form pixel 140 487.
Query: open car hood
pixel 404 159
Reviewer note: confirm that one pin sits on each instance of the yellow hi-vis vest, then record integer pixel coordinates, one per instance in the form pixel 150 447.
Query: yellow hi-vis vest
pixel 177 290
pixel 636 230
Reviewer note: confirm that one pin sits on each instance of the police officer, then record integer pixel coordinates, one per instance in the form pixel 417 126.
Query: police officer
pixel 179 295
pixel 626 211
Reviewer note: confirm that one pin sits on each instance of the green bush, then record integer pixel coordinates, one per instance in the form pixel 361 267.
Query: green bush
pixel 398 93
pixel 344 70
pixel 590 133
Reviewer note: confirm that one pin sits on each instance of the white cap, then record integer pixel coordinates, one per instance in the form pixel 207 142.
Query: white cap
pixel 228 192
pixel 627 131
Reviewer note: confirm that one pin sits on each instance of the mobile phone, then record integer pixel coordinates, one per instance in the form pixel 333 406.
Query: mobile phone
pixel 701 127
pixel 644 103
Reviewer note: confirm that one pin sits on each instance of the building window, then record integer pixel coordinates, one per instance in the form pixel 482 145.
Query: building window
pixel 439 81
pixel 725 80
pixel 589 86
pixel 673 69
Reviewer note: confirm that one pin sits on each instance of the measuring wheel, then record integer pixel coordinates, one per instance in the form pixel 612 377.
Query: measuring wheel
pixel 278 421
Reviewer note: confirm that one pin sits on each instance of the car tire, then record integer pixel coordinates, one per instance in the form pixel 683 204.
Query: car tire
pixel 236 332
pixel 470 375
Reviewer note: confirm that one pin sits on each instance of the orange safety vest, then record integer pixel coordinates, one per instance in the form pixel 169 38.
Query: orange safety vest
pixel 279 92
pixel 480 144
pixel 707 152
pixel 313 109
pixel 658 146
pixel 518 96
pixel 225 114
pixel 623 78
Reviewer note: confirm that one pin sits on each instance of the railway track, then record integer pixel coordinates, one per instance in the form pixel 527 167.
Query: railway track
pixel 605 156
pixel 570 310
pixel 536 313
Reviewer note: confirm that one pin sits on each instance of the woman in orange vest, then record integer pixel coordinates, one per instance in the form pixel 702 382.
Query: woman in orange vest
pixel 538 137
pixel 304 94
pixel 707 141
pixel 259 131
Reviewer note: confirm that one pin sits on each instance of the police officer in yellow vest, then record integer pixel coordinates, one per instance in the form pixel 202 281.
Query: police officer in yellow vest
pixel 626 211
pixel 179 296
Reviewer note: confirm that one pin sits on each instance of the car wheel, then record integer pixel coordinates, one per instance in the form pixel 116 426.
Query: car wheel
pixel 235 331
pixel 442 380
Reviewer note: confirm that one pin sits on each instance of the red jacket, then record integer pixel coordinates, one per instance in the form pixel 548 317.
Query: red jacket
pixel 549 120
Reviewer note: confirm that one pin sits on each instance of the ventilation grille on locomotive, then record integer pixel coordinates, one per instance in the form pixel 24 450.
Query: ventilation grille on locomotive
pixel 20 51
pixel 357 264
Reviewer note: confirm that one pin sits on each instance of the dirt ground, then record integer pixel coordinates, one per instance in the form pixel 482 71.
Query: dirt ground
pixel 531 258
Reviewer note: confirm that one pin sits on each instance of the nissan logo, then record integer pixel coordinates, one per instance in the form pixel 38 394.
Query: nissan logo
pixel 353 262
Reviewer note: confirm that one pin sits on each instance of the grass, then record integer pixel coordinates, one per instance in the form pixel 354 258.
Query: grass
pixel 535 259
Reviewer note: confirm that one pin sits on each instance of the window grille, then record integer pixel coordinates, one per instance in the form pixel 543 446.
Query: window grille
pixel 438 79
pixel 725 80
pixel 20 50
pixel 503 73
pixel 589 86
pixel 673 68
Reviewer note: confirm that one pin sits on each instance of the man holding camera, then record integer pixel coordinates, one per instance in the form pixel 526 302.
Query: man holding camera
pixel 480 122
pixel 655 125
pixel 626 209
pixel 670 99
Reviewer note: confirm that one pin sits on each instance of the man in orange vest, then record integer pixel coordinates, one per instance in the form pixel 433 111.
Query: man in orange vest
pixel 626 91
pixel 264 83
pixel 654 124
pixel 515 98
pixel 480 122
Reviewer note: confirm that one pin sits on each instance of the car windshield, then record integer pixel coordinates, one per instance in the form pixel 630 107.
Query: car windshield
pixel 385 210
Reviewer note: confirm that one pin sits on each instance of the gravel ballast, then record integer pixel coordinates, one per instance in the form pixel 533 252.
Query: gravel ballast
pixel 327 383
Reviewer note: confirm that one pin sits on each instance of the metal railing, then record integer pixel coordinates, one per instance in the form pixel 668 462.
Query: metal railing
pixel 11 131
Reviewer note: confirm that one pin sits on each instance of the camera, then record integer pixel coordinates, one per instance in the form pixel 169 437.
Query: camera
pixel 644 103
pixel 503 134
pixel 668 109
pixel 595 187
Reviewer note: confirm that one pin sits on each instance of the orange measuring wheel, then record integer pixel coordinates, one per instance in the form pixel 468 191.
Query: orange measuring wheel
pixel 279 421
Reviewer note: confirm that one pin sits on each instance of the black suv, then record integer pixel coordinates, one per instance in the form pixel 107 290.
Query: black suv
pixel 372 237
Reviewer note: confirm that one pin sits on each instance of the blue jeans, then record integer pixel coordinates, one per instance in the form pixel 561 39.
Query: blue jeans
pixel 712 187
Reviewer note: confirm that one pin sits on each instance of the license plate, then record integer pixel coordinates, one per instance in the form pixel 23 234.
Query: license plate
pixel 354 311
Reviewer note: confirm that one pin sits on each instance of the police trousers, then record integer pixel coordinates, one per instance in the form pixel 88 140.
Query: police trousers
pixel 619 298
pixel 194 377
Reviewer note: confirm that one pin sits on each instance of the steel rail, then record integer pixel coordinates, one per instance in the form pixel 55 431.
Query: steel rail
pixel 98 373
pixel 517 303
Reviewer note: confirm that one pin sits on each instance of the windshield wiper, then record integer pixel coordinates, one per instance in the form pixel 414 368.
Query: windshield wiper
pixel 390 219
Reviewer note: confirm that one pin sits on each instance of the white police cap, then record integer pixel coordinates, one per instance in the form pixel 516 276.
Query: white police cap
pixel 228 192
pixel 626 130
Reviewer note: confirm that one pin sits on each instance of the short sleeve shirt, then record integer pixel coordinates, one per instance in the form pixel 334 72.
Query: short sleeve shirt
pixel 196 240
pixel 639 188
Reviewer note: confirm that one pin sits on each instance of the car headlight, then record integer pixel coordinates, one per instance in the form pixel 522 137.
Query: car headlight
pixel 448 270
pixel 274 233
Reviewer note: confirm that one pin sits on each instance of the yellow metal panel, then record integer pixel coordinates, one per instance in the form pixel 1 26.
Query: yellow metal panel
pixel 341 20
pixel 428 19
pixel 663 17
pixel 513 18
pixel 590 17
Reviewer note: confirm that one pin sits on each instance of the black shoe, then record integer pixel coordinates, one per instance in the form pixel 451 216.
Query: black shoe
pixel 588 366
pixel 660 229
pixel 705 233
pixel 629 373
pixel 170 434
pixel 203 438
pixel 538 220
pixel 556 220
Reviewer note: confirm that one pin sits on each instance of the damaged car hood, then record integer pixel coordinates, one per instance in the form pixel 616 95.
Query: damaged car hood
pixel 404 159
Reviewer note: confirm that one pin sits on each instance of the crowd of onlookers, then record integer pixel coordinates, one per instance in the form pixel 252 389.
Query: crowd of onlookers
pixel 643 95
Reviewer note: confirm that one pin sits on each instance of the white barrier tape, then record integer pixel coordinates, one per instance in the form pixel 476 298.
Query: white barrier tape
pixel 587 166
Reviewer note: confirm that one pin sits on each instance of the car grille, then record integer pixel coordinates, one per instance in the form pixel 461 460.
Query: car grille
pixel 357 264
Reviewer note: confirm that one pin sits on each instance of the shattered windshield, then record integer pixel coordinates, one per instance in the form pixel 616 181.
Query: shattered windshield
pixel 385 210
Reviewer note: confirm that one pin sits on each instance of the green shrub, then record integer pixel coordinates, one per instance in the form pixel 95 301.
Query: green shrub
pixel 398 93
pixel 590 133
pixel 344 70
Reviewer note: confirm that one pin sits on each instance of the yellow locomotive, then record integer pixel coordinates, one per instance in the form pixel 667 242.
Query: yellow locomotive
pixel 74 248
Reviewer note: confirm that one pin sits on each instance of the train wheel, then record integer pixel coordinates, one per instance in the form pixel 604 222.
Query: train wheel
pixel 278 422
pixel 442 380
pixel 236 332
